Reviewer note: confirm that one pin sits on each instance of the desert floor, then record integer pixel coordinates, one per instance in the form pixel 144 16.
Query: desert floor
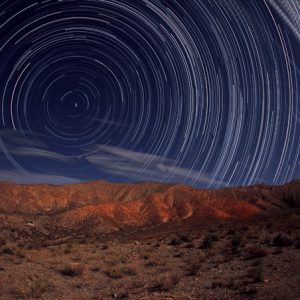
pixel 257 259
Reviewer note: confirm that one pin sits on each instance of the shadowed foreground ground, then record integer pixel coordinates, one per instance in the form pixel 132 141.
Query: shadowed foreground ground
pixel 253 259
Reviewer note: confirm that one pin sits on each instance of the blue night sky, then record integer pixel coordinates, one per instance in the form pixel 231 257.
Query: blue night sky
pixel 199 92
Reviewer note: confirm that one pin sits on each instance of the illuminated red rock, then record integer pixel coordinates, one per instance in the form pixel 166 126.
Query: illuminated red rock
pixel 100 206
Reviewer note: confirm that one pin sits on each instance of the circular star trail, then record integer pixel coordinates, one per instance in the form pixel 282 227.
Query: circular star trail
pixel 203 92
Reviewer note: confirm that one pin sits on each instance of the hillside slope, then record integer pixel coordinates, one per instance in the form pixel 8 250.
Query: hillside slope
pixel 104 207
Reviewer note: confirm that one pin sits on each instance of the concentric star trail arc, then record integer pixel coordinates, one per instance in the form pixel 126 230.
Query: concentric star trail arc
pixel 201 92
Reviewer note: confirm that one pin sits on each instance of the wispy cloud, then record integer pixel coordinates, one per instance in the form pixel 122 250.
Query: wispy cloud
pixel 116 161
pixel 40 153
pixel 143 166
pixel 20 138
pixel 24 144
pixel 29 177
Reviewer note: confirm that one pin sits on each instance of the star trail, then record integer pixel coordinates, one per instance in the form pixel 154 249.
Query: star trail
pixel 199 92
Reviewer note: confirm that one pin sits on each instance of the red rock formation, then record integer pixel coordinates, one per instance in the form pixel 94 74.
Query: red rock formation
pixel 101 206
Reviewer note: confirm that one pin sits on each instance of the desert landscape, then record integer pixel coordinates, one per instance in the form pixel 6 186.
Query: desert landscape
pixel 101 240
pixel 149 149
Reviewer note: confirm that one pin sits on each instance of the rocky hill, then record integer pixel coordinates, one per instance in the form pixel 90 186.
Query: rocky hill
pixel 103 207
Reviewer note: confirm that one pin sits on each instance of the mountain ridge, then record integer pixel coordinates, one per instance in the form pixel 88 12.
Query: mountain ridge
pixel 101 206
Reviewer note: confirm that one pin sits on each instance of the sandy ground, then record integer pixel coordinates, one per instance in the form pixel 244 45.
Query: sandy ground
pixel 253 260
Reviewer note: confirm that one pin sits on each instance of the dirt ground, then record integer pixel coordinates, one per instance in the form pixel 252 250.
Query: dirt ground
pixel 249 260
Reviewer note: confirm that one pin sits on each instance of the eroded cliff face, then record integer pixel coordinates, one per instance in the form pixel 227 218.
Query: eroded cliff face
pixel 32 199
pixel 101 206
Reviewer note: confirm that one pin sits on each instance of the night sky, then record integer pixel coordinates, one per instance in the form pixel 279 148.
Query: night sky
pixel 203 92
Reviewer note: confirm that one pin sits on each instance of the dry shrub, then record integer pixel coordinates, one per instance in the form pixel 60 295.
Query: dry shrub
pixel 174 242
pixel 39 287
pixel 82 241
pixel 255 275
pixel 297 239
pixel 231 231
pixel 151 263
pixel 129 270
pixel 282 241
pixel 21 244
pixel 19 253
pixel 157 244
pixel 184 238
pixel 249 291
pixel 297 235
pixel 33 245
pixel 72 270
pixel 178 254
pixel 190 245
pixel 165 283
pixel 206 243
pixel 95 269
pixel 255 252
pixel 235 244
pixel 35 290
pixel 8 251
pixel 235 284
pixel 104 247
pixel 68 249
pixel 77 257
pixel 113 272
pixel 123 294
pixel 231 283
pixel 17 292
pixel 256 262
pixel 119 271
pixel 2 241
pixel 145 257
pixel 179 240
pixel 194 265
